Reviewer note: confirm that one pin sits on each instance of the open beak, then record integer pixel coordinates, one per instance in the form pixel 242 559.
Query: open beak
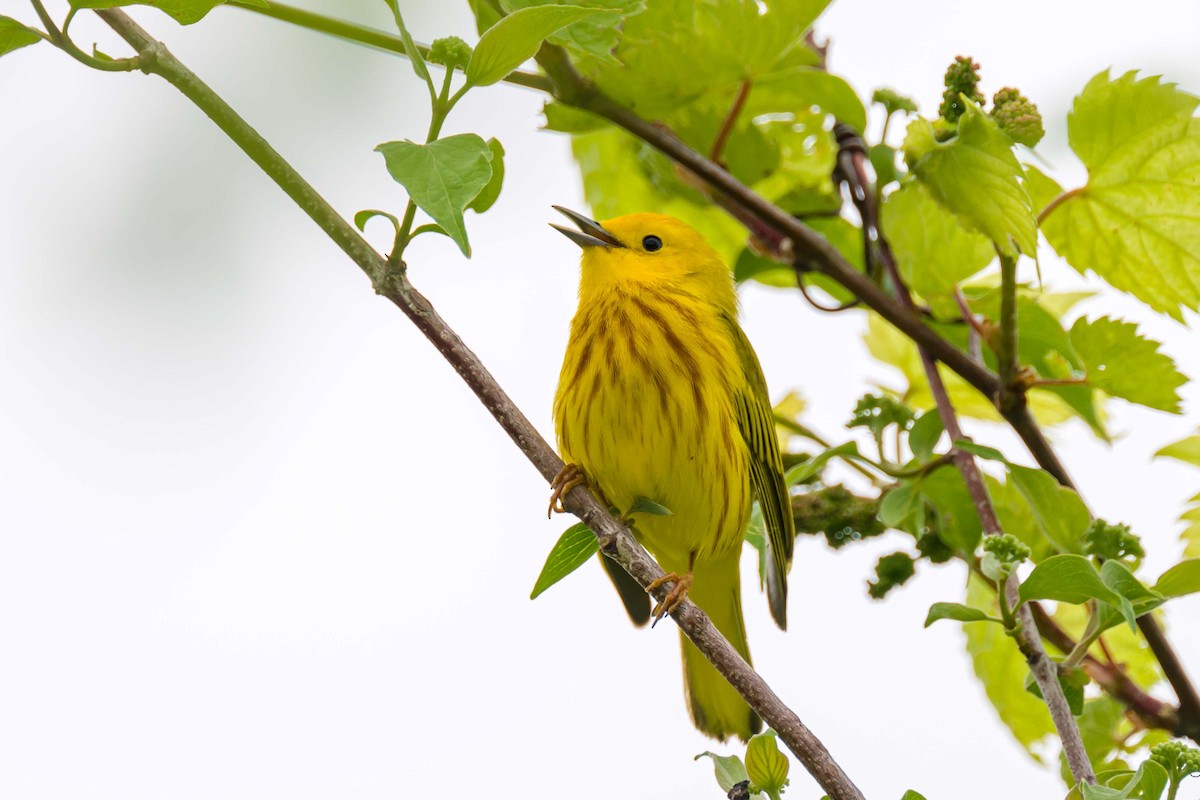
pixel 590 234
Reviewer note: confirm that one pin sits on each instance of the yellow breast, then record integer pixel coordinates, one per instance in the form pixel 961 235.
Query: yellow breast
pixel 645 406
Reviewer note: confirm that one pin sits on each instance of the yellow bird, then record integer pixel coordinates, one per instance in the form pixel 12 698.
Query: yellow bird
pixel 662 397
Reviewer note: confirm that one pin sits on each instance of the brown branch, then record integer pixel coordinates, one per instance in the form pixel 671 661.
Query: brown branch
pixel 788 235
pixel 852 169
pixel 1111 678
pixel 615 538
pixel 739 102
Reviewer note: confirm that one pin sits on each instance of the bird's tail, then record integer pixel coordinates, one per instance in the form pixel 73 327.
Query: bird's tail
pixel 716 707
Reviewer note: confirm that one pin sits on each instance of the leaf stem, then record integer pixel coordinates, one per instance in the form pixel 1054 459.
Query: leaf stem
pixel 735 111
pixel 1058 201
pixel 62 41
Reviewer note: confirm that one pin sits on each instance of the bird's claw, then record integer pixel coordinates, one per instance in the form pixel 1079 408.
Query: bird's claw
pixel 674 597
pixel 568 478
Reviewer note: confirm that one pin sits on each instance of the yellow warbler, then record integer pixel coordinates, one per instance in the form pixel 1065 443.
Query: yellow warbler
pixel 662 397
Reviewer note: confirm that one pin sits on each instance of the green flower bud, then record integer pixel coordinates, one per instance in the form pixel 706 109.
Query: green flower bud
pixel 962 78
pixel 1177 758
pixel 1112 541
pixel 1001 555
pixel 1018 117
pixel 894 102
pixel 892 570
pixel 450 51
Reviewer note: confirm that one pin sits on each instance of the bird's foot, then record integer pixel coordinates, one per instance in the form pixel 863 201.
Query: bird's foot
pixel 674 597
pixel 568 478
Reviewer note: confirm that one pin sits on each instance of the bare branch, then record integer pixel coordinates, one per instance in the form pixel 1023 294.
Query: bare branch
pixel 852 169
pixel 615 539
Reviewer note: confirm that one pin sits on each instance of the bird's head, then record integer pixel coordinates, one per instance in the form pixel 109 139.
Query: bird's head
pixel 647 250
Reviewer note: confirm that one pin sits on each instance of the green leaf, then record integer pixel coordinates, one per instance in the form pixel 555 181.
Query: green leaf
pixel 1125 364
pixel 765 765
pixel 360 219
pixel 805 470
pixel 594 38
pixel 911 795
pixel 1071 579
pixel 979 450
pixel 487 196
pixel 957 611
pixel 679 50
pixel 184 12
pixel 976 176
pixel 572 550
pixel 933 250
pixel 1136 223
pixel 566 119
pixel 442 177
pixel 1181 579
pixel 924 435
pixel 1148 782
pixel 1041 187
pixel 802 87
pixel 1001 669
pixel 1059 512
pixel 514 39
pixel 900 503
pixel 644 505
pixel 410 47
pixel 954 511
pixel 1186 450
pixel 729 770
pixel 14 35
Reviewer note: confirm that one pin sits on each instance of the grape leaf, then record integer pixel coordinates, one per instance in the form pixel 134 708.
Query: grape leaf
pixel 933 250
pixel 1125 364
pixel 802 87
pixel 894 348
pixel 976 176
pixel 1136 223
pixel 678 50
pixel 14 35
pixel 442 177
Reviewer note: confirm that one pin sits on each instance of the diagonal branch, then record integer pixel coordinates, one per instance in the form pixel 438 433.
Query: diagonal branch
pixel 615 539
pixel 852 170
pixel 783 233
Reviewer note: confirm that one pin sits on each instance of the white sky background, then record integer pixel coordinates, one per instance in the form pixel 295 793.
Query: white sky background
pixel 260 541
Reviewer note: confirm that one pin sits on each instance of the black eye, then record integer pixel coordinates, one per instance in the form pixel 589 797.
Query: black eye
pixel 651 243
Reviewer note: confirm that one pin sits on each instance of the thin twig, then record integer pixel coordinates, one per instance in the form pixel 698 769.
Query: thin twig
pixel 852 169
pixel 615 538
pixel 739 102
